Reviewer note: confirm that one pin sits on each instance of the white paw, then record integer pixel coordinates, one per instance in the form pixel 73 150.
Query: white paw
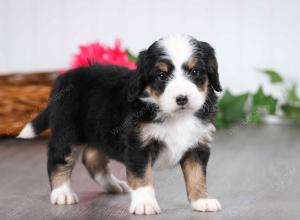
pixel 206 205
pixel 144 201
pixel 112 184
pixel 63 195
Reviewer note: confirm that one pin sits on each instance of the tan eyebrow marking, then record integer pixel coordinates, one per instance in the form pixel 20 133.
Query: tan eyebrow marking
pixel 162 67
pixel 191 63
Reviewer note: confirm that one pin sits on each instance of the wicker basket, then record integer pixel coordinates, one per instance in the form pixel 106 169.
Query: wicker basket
pixel 22 97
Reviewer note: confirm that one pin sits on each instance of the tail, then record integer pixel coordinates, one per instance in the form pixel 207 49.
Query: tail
pixel 39 124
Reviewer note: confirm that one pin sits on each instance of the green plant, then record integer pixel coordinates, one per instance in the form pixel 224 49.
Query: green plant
pixel 291 108
pixel 231 109
pixel 253 107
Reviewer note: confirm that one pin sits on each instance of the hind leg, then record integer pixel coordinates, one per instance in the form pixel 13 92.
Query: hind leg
pixel 96 163
pixel 61 160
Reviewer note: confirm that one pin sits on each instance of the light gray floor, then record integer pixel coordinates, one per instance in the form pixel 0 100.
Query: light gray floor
pixel 253 171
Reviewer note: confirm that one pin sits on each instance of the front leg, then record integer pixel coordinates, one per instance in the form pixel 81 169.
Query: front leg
pixel 193 166
pixel 140 180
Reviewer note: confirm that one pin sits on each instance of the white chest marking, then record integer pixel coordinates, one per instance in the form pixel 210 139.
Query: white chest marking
pixel 178 134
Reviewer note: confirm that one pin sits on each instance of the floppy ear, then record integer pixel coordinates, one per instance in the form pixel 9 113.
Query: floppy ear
pixel 213 73
pixel 136 86
pixel 142 62
pixel 212 66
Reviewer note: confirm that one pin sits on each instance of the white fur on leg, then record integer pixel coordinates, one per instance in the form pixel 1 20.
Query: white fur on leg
pixel 143 201
pixel 27 132
pixel 206 205
pixel 63 195
pixel 111 184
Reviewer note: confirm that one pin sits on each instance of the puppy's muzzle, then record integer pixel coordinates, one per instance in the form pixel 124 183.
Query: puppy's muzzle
pixel 181 100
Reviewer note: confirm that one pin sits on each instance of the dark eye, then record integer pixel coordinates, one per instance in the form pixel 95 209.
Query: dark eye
pixel 195 72
pixel 162 76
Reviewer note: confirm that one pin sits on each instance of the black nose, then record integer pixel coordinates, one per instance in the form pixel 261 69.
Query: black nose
pixel 181 100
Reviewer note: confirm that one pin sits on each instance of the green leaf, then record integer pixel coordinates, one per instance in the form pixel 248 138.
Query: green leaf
pixel 292 112
pixel 260 99
pixel 219 121
pixel 255 118
pixel 274 76
pixel 292 96
pixel 131 56
pixel 262 104
pixel 231 109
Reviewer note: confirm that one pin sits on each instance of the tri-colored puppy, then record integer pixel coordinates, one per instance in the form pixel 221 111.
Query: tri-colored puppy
pixel 159 115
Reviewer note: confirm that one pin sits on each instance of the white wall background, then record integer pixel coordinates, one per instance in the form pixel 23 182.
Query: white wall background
pixel 247 34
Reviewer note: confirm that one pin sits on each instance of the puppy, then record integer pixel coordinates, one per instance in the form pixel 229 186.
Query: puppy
pixel 157 116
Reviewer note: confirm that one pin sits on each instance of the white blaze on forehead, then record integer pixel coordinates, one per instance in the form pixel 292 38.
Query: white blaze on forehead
pixel 178 48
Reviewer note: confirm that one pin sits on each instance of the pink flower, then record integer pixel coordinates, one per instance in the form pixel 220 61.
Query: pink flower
pixel 99 53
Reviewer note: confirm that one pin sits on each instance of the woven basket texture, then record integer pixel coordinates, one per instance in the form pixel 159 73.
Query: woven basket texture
pixel 22 97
